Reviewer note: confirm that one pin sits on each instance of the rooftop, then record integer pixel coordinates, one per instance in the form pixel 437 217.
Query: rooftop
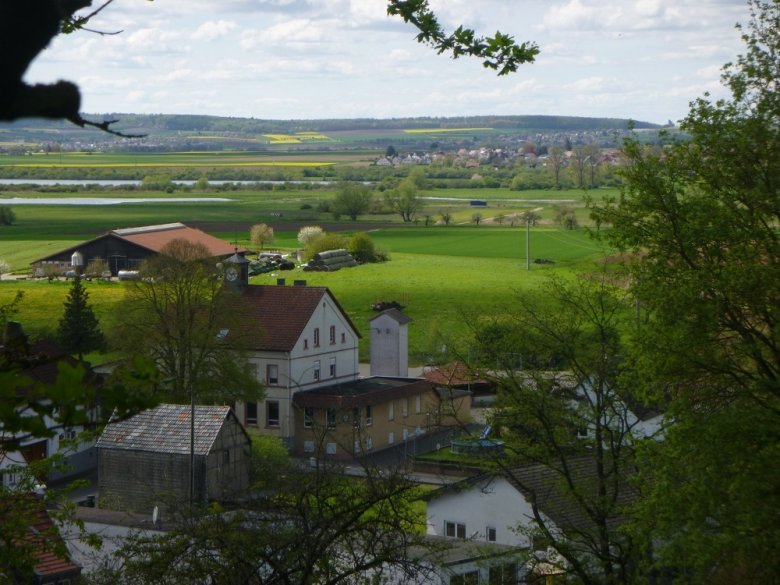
pixel 166 429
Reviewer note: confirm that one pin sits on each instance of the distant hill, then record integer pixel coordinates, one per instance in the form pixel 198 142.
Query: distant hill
pixel 168 128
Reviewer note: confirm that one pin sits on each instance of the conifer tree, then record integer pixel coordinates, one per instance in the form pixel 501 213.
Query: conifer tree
pixel 79 330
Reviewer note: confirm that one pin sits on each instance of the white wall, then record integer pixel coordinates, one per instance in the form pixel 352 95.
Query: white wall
pixel 389 347
pixel 495 503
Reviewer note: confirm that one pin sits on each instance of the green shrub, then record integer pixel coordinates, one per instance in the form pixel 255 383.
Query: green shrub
pixel 322 243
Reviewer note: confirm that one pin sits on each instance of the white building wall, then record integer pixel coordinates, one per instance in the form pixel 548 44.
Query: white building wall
pixel 389 347
pixel 295 370
pixel 496 504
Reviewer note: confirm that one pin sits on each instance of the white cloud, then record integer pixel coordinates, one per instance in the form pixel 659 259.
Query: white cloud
pixel 214 29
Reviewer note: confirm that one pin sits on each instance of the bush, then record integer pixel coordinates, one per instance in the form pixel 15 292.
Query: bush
pixel 7 215
pixel 322 243
pixel 308 233
pixel 362 248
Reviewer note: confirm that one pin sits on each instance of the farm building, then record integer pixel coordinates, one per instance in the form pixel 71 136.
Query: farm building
pixel 144 461
pixel 343 421
pixel 126 248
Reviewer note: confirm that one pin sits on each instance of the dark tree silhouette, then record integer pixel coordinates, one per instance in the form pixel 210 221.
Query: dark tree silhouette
pixel 79 330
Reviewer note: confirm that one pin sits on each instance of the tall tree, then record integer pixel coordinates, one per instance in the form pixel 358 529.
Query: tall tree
pixel 351 200
pixel 405 199
pixel 557 160
pixel 182 318
pixel 564 392
pixel 701 218
pixel 261 233
pixel 79 330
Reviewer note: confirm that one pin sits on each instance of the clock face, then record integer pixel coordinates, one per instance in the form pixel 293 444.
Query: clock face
pixel 231 273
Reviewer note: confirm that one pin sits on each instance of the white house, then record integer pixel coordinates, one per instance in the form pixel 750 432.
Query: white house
pixel 498 508
pixel 487 509
pixel 301 339
pixel 44 360
pixel 12 464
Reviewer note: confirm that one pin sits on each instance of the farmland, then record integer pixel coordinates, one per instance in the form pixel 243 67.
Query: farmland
pixel 440 273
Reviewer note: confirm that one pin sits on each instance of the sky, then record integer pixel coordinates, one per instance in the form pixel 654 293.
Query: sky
pixel 307 59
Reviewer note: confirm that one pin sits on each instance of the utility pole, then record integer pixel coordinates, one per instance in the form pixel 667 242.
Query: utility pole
pixel 528 242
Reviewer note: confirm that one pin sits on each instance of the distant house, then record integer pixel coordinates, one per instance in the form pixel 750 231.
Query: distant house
pixel 51 562
pixel 144 460
pixel 12 463
pixel 39 364
pixel 127 248
pixel 351 419
pixel 300 339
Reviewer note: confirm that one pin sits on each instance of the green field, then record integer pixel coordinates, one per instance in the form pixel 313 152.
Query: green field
pixel 443 274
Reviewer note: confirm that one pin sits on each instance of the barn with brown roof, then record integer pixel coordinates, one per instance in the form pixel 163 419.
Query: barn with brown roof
pixel 126 248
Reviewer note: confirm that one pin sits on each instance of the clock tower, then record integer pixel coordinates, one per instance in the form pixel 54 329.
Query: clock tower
pixel 236 271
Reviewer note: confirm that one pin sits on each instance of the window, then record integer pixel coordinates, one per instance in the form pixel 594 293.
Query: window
pixel 454 530
pixel 332 334
pixel 226 457
pixel 305 344
pixel 390 438
pixel 308 446
pixel 316 370
pixel 251 413
pixel 369 443
pixel 369 415
pixel 391 411
pixel 332 368
pixel 417 404
pixel 470 578
pixel 272 413
pixel 343 337
pixel 330 415
pixel 405 407
pixel 308 417
pixel 330 448
pixel 490 534
pixel 356 417
pixel 272 374
pixel 316 337
pixel 503 574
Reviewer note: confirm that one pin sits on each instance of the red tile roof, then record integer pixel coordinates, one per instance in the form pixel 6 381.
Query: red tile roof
pixel 279 314
pixel 155 237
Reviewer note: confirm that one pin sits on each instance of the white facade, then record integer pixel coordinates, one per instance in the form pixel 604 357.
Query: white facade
pixel 325 353
pixel 488 511
pixel 390 344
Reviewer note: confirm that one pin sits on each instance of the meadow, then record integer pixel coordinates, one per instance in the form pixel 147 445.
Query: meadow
pixel 444 275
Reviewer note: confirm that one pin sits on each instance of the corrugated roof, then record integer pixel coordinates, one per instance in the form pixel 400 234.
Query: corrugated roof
pixel 166 429
pixel 395 314
pixel 155 237
pixel 280 313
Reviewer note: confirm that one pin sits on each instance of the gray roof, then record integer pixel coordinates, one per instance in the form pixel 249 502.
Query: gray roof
pixel 394 314
pixel 166 429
